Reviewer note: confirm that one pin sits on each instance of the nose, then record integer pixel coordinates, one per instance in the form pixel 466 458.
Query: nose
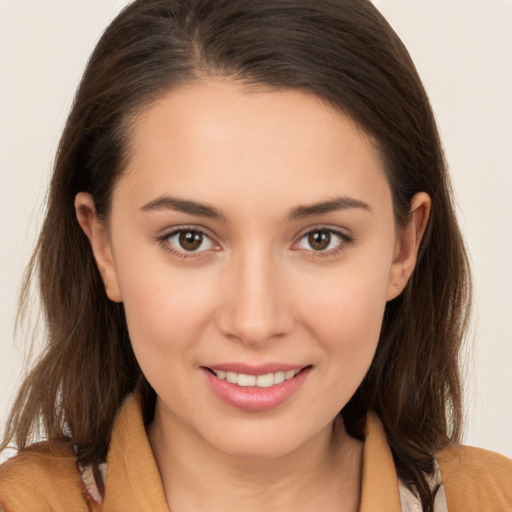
pixel 257 306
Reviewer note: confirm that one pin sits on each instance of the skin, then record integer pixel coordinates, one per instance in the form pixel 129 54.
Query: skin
pixel 257 290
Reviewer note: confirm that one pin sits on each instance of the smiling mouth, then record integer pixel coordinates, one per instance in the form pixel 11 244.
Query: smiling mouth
pixel 255 388
pixel 258 381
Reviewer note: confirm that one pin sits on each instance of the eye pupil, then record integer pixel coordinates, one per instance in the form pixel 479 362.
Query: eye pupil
pixel 319 240
pixel 190 240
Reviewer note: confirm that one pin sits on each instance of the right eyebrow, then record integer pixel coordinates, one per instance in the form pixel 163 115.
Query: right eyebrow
pixel 184 206
pixel 339 203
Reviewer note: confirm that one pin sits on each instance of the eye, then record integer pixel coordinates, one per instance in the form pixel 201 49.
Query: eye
pixel 322 240
pixel 189 241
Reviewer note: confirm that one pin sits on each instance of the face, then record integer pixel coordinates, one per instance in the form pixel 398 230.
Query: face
pixel 253 245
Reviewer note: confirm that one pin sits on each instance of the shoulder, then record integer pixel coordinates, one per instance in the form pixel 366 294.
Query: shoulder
pixel 42 477
pixel 476 479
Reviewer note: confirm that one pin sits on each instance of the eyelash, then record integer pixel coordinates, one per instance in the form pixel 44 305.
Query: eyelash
pixel 344 240
pixel 164 241
pixel 341 246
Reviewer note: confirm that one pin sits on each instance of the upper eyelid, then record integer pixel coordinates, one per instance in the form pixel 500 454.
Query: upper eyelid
pixel 343 232
pixel 166 233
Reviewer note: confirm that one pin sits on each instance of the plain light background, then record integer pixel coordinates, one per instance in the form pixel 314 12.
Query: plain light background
pixel 463 51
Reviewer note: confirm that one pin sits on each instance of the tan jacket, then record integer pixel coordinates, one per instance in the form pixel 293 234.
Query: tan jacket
pixel 40 479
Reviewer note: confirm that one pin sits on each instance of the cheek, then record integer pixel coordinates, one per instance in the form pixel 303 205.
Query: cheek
pixel 345 312
pixel 166 307
pixel 167 313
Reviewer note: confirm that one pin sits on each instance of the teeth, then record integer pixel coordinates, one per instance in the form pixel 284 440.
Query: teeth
pixel 231 377
pixel 246 380
pixel 265 381
pixel 279 377
pixel 259 381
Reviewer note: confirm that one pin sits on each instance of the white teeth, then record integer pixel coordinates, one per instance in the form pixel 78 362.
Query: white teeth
pixel 246 380
pixel 265 381
pixel 231 377
pixel 279 377
pixel 260 381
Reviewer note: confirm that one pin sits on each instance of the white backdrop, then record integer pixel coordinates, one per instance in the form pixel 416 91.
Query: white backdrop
pixel 463 51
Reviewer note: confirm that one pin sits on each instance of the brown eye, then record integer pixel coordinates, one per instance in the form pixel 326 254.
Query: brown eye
pixel 190 240
pixel 319 240
pixel 323 240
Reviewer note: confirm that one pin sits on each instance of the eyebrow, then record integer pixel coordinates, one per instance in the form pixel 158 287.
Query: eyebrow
pixel 333 205
pixel 202 210
pixel 184 206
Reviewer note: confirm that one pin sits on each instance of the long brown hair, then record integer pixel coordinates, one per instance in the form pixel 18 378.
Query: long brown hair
pixel 342 51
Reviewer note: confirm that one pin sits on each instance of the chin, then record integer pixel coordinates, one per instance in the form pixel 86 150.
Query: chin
pixel 266 441
pixel 264 449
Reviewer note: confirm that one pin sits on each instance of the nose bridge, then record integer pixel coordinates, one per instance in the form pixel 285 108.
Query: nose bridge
pixel 257 306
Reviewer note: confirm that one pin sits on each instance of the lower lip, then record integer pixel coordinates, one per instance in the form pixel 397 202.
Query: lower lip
pixel 254 399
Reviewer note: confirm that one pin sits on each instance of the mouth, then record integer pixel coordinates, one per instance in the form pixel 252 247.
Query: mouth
pixel 258 381
pixel 256 388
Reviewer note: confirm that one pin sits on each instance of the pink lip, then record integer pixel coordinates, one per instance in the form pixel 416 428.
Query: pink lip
pixel 254 399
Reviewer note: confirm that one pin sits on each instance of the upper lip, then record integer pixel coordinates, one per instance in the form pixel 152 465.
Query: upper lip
pixel 252 369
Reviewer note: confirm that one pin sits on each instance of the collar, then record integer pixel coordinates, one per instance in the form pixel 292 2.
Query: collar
pixel 133 481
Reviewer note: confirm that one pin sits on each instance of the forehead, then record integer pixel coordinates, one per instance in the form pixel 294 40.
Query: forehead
pixel 215 139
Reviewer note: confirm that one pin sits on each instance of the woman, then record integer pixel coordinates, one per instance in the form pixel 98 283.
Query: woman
pixel 249 230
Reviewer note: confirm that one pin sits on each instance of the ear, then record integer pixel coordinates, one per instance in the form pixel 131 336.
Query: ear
pixel 407 245
pixel 97 234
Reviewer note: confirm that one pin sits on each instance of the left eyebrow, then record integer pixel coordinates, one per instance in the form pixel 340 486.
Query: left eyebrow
pixel 185 206
pixel 339 203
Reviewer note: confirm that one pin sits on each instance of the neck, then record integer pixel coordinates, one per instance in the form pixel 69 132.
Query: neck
pixel 323 474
